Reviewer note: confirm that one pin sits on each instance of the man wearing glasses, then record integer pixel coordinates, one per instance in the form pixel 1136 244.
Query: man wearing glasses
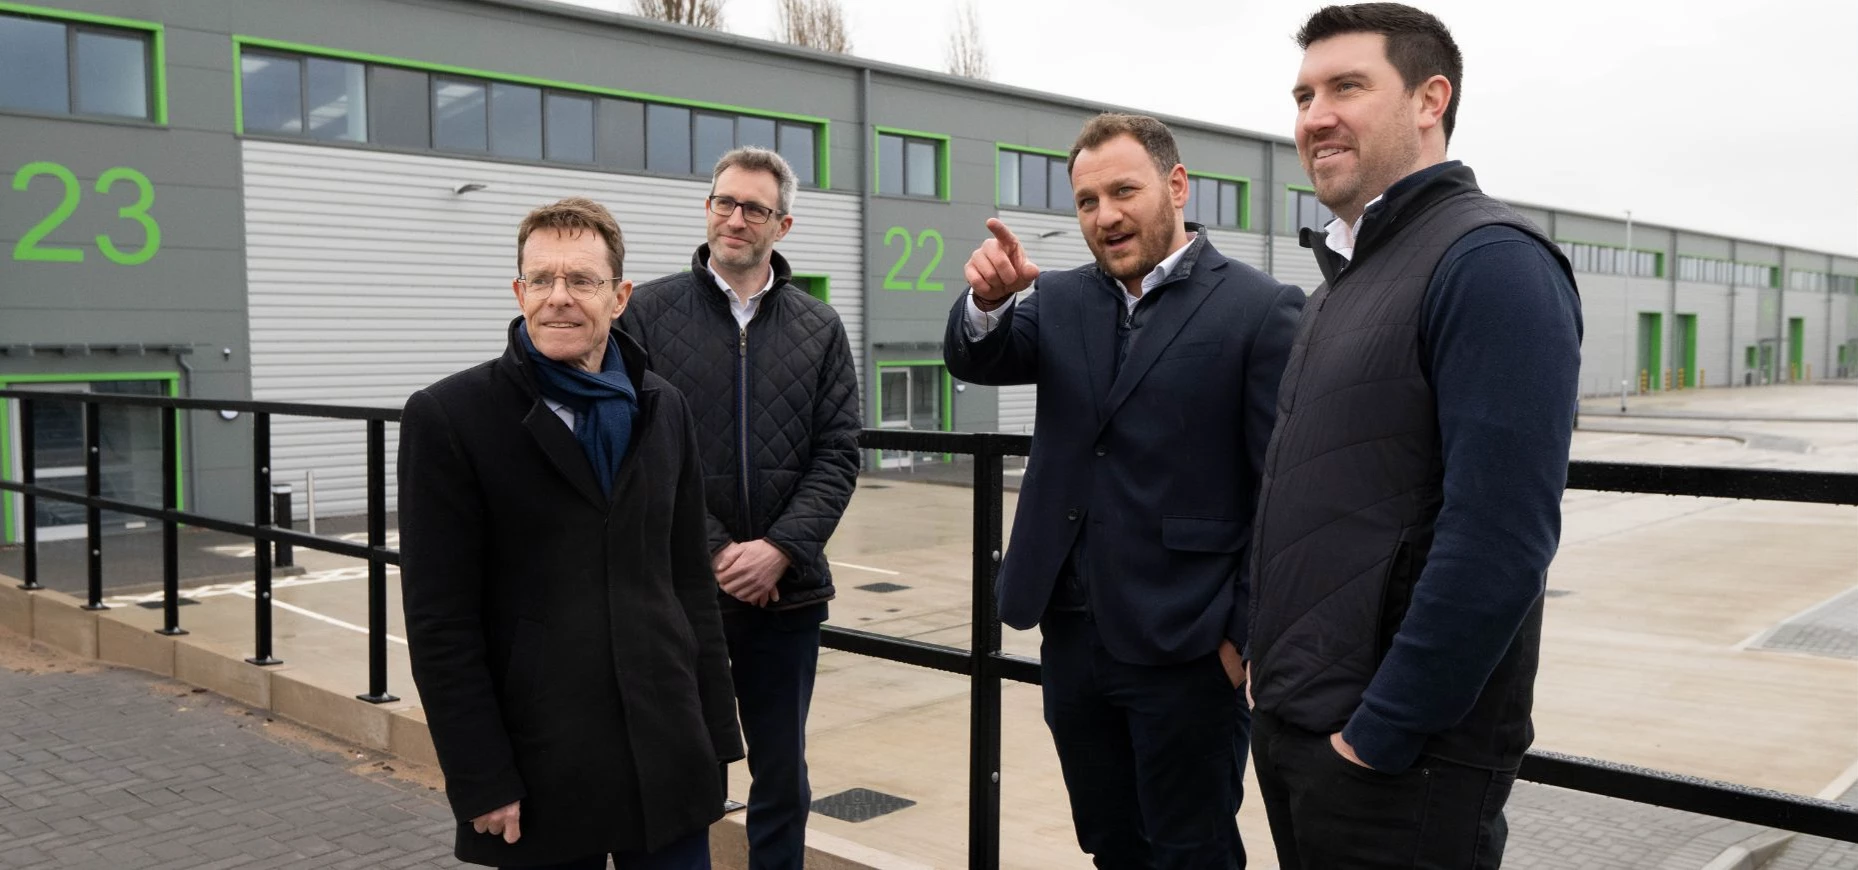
pixel 768 373
pixel 560 610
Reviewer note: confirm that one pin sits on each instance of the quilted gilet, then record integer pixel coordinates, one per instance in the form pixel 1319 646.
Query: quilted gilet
pixel 776 408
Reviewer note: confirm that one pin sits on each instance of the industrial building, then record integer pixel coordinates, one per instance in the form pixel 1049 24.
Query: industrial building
pixel 317 202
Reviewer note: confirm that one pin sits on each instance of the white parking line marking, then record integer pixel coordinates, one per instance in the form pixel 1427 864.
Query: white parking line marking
pixel 318 617
pixel 868 568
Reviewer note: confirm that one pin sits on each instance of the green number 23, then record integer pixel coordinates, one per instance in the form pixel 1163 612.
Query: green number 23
pixel 28 247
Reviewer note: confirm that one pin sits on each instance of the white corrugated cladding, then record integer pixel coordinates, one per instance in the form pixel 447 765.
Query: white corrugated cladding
pixel 369 278
pixel 1293 263
pixel 1053 241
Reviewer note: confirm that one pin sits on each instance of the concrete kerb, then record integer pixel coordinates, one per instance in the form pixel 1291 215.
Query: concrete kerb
pixel 1752 853
pixel 60 621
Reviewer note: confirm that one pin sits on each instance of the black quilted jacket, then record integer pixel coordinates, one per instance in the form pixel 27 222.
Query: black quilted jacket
pixel 776 408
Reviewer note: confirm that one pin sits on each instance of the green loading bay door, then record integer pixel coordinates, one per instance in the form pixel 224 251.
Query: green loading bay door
pixel 1796 348
pixel 1651 351
pixel 1687 350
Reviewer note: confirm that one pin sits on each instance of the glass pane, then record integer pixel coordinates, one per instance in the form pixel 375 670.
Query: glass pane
pixel 667 139
pixel 273 94
pixel 1206 190
pixel 715 137
pixel 920 166
pixel 1229 205
pixel 458 118
pixel 34 74
pixel 890 164
pixel 797 147
pixel 570 129
pixel 399 108
pixel 1008 163
pixel 895 385
pixel 515 121
pixel 112 74
pixel 1058 192
pixel 1033 175
pixel 338 100
pixel 620 139
pixel 755 131
pixel 925 397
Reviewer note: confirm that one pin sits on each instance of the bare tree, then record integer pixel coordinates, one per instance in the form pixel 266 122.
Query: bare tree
pixel 696 13
pixel 967 55
pixel 816 24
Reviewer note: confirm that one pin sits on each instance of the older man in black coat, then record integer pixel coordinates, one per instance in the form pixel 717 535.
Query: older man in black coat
pixel 560 607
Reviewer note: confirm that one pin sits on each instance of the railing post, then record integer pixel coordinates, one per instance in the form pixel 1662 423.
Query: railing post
pixel 280 516
pixel 170 530
pixel 984 703
pixel 261 548
pixel 29 504
pixel 377 567
pixel 93 515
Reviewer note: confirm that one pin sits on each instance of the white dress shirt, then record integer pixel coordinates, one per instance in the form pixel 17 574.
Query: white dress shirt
pixel 1342 236
pixel 980 323
pixel 743 311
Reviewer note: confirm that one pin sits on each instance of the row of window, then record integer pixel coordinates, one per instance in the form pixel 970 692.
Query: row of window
pixel 74 69
pixel 1703 270
pixel 338 100
pixel 910 165
pixel 1041 181
pixel 1820 282
pixel 1604 260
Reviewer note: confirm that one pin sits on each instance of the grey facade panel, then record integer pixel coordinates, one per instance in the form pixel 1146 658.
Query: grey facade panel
pixel 370 278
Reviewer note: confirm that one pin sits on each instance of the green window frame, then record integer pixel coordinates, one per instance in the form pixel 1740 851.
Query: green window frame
pixel 816 285
pixel 909 144
pixel 1302 209
pixel 1014 165
pixel 152 33
pixel 9 531
pixel 791 132
pixel 1222 202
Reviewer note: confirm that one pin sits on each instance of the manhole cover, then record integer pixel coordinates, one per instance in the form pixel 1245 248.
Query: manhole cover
pixel 882 586
pixel 860 804
pixel 156 605
pixel 1828 629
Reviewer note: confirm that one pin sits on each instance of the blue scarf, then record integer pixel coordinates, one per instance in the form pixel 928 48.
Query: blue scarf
pixel 603 404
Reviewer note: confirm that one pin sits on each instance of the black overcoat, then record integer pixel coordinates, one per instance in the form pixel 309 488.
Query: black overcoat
pixel 567 647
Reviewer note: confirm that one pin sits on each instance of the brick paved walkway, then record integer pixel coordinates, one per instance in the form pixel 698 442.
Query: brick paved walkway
pixel 105 768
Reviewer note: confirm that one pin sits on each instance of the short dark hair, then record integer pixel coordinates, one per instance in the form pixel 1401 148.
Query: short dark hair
pixel 1154 136
pixel 573 216
pixel 1418 45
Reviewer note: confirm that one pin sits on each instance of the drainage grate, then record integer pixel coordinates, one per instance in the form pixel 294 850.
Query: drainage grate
pixel 1558 593
pixel 882 586
pixel 1829 629
pixel 860 804
pixel 156 605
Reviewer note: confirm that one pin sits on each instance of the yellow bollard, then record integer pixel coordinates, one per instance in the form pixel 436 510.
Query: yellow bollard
pixel 1700 381
pixel 1645 381
pixel 1681 383
pixel 1667 380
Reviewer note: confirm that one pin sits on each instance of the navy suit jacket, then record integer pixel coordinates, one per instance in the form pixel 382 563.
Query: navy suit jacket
pixel 1157 464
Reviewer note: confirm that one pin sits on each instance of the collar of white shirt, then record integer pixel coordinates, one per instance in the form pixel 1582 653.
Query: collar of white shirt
pixel 1159 274
pixel 1342 236
pixel 744 311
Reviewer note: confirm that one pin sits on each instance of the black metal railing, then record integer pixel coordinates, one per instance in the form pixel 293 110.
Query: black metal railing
pixel 985 663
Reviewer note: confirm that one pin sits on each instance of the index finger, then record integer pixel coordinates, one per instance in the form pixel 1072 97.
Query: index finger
pixel 513 830
pixel 1008 242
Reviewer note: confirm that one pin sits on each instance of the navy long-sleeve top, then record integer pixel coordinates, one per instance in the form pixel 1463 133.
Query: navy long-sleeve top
pixel 1500 344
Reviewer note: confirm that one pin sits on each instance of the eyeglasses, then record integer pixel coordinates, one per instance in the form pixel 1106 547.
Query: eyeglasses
pixel 580 286
pixel 724 206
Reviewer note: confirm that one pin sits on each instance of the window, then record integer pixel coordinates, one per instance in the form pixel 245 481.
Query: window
pixel 1607 260
pixel 911 164
pixel 1034 180
pixel 1846 284
pixel 1306 211
pixel 77 69
pixel 815 286
pixel 1707 271
pixel 1808 282
pixel 1215 202
pixel 284 93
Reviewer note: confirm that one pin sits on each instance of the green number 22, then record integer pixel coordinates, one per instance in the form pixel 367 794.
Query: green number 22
pixel 28 247
pixel 923 279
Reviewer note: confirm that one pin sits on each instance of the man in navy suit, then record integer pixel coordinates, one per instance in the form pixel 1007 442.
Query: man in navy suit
pixel 1157 368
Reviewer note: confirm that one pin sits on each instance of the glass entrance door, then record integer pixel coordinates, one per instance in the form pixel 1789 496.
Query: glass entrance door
pixel 129 442
pixel 909 397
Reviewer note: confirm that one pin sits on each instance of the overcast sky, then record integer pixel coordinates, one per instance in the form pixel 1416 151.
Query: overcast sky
pixel 1728 116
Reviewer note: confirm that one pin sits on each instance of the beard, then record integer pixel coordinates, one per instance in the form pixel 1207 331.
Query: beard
pixel 1154 234
pixel 739 259
pixel 1348 193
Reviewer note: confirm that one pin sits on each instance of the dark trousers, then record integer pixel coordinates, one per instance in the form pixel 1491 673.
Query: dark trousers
pixel 1328 812
pixel 773 657
pixel 690 853
pixel 1153 756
